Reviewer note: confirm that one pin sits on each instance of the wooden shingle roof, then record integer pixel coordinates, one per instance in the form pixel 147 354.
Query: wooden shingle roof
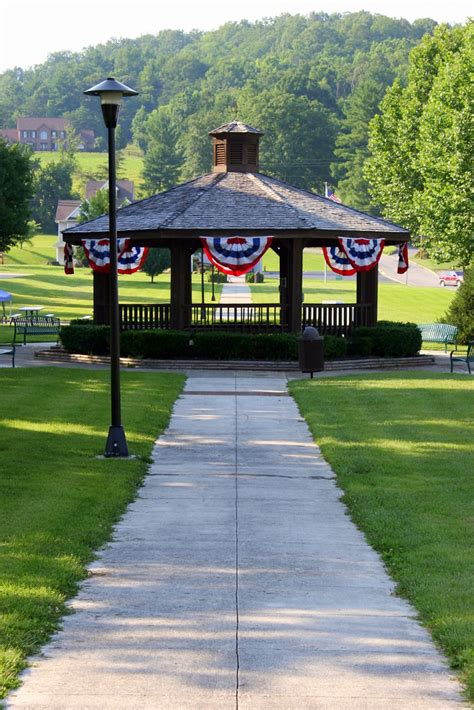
pixel 239 203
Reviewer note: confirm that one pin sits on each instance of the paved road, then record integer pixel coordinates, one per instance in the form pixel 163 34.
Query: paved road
pixel 236 580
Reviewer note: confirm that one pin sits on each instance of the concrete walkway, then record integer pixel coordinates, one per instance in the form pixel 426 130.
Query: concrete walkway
pixel 236 579
pixel 236 290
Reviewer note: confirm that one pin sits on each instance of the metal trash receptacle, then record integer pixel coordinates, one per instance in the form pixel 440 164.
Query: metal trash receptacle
pixel 311 350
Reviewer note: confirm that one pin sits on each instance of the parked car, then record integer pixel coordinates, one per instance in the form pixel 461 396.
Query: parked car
pixel 451 278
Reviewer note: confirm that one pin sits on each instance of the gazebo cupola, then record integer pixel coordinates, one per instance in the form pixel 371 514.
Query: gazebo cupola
pixel 235 148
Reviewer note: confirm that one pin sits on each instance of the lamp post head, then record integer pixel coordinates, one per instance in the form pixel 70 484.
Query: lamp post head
pixel 111 93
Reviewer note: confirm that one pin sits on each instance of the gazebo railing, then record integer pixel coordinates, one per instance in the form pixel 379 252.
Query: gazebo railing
pixel 144 316
pixel 331 318
pixel 335 318
pixel 261 317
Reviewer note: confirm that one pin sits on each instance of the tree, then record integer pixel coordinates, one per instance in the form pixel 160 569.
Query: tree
pixel 156 262
pixel 461 309
pixel 52 183
pixel 95 207
pixel 163 159
pixel 421 146
pixel 16 190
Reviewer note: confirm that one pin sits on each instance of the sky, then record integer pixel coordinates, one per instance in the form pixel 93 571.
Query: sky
pixel 32 29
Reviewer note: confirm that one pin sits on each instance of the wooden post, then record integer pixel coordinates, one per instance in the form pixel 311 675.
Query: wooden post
pixel 367 293
pixel 283 254
pixel 295 284
pixel 180 285
pixel 101 291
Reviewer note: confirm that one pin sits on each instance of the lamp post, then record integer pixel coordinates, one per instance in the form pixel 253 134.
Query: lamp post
pixel 212 277
pixel 111 93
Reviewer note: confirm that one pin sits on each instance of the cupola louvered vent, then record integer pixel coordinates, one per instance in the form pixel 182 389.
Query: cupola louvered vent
pixel 236 148
pixel 236 153
pixel 252 154
pixel 219 154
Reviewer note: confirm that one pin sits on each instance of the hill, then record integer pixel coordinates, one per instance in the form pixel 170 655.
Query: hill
pixel 311 83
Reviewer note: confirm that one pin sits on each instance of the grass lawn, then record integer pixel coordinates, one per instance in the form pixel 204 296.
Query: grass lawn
pixel 396 301
pixel 89 163
pixel 406 473
pixel 57 508
pixel 71 296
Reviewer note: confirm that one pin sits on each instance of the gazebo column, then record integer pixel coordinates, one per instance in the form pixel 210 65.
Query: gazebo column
pixel 282 252
pixel 367 293
pixel 295 284
pixel 101 292
pixel 181 291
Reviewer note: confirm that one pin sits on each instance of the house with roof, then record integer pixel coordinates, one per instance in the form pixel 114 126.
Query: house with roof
pixel 47 133
pixel 67 211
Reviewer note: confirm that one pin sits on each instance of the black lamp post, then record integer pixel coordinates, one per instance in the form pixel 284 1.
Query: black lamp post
pixel 111 93
pixel 212 277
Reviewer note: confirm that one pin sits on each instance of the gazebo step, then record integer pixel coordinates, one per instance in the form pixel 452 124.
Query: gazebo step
pixel 57 354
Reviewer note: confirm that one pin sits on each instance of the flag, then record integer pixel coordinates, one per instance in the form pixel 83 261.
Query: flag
pixel 235 255
pixel 330 194
pixel 129 258
pixel 68 259
pixel 363 254
pixel 336 259
pixel 402 258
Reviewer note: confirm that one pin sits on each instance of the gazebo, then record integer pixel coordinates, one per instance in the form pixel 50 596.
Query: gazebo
pixel 236 200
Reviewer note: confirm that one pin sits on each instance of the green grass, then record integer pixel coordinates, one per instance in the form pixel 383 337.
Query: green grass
pixel 71 296
pixel 406 473
pixel 57 508
pixel 313 260
pixel 89 163
pixel 435 265
pixel 396 301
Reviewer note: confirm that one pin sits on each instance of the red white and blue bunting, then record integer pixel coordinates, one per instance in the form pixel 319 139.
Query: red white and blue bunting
pixel 363 254
pixel 402 258
pixel 336 259
pixel 68 259
pixel 235 255
pixel 129 258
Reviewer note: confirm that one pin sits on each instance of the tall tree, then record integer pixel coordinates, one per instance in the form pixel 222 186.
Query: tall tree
pixel 156 262
pixel 16 190
pixel 163 159
pixel 52 183
pixel 421 146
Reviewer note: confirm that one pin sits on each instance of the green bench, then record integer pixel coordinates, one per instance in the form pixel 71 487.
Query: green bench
pixel 34 325
pixel 439 333
pixel 467 357
pixel 8 350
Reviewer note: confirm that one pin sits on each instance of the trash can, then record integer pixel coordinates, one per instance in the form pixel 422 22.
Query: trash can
pixel 311 351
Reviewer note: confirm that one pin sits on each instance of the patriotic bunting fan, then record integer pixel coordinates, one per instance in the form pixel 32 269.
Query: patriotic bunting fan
pixel 336 259
pixel 402 258
pixel 363 254
pixel 130 258
pixel 235 255
pixel 68 259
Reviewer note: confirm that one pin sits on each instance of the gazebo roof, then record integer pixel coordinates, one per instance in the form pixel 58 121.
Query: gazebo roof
pixel 238 203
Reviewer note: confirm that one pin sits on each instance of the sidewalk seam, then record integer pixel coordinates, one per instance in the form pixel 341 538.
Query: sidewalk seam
pixel 237 670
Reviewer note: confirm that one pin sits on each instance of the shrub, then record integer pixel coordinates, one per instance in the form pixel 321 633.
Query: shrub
pixel 387 339
pixel 86 339
pixel 255 278
pixel 218 277
pixel 461 310
pixel 334 347
pixel 154 344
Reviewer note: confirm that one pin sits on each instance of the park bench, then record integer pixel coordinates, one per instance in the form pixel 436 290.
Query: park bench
pixel 467 357
pixel 34 325
pixel 8 350
pixel 439 333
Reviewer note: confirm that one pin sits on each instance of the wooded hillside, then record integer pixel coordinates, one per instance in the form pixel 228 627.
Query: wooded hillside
pixel 310 83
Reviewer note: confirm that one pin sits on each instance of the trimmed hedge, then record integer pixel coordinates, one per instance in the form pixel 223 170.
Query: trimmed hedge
pixel 90 339
pixel 86 339
pixel 387 339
